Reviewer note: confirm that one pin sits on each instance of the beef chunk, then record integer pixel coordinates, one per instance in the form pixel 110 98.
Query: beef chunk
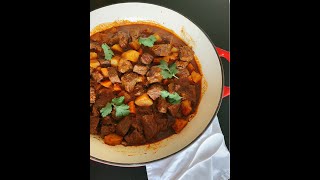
pixel 123 39
pixel 140 69
pixel 123 126
pixel 186 53
pixel 134 33
pixel 162 49
pixel 94 121
pixel 129 80
pixel 92 95
pixel 97 76
pixel 154 91
pixel 113 75
pixel 188 92
pixel 127 96
pixel 104 63
pixel 162 124
pixel 150 127
pixel 174 109
pixel 124 66
pixel 183 73
pixel 181 64
pixel 105 96
pixel 95 46
pixel 107 121
pixel 106 130
pixel 162 105
pixel 113 114
pixel 138 90
pixel 136 124
pixel 154 75
pixel 146 58
pixel 135 138
pixel 142 110
pixel 94 111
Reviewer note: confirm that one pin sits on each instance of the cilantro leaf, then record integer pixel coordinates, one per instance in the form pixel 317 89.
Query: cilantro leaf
pixel 168 72
pixel 122 110
pixel 172 98
pixel 106 110
pixel 118 101
pixel 107 51
pixel 149 41
pixel 164 94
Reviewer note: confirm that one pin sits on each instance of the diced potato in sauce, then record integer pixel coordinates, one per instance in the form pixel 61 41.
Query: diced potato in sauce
pixel 94 63
pixel 113 139
pixel 144 100
pixel 131 55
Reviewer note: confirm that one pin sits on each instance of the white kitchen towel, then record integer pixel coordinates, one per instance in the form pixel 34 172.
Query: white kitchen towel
pixel 206 159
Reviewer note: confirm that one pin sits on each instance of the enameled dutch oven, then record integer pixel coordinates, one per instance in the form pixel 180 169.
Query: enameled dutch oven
pixel 212 82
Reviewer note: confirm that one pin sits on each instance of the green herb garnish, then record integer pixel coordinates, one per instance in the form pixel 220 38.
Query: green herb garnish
pixel 149 41
pixel 107 51
pixel 168 72
pixel 172 98
pixel 117 103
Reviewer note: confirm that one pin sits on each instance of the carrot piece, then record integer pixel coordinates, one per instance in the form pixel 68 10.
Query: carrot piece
pixel 104 72
pixel 113 139
pixel 190 67
pixel 196 77
pixel 179 124
pixel 93 55
pixel 94 63
pixel 132 107
pixel 116 87
pixel 165 58
pixel 186 107
pixel 106 83
pixel 140 51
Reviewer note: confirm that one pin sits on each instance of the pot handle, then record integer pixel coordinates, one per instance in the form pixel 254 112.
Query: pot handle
pixel 226 55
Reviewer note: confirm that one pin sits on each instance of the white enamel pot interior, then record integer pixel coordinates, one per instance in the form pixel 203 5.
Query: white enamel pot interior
pixel 211 98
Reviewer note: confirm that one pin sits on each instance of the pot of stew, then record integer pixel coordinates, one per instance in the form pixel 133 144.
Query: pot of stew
pixel 156 83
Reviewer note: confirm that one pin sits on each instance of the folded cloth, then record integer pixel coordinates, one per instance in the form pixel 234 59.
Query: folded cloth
pixel 206 159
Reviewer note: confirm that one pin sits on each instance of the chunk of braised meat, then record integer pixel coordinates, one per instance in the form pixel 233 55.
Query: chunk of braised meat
pixel 94 121
pixel 129 80
pixel 183 73
pixel 113 75
pixel 134 33
pixel 94 111
pixel 124 65
pixel 127 97
pixel 188 92
pixel 136 124
pixel 181 64
pixel 105 95
pixel 95 46
pixel 162 49
pixel 123 39
pixel 162 105
pixel 107 121
pixel 135 138
pixel 186 53
pixel 162 124
pixel 92 95
pixel 144 110
pixel 154 91
pixel 140 69
pixel 120 37
pixel 123 126
pixel 104 63
pixel 174 109
pixel 154 75
pixel 150 127
pixel 97 76
pixel 139 90
pixel 146 58
pixel 106 130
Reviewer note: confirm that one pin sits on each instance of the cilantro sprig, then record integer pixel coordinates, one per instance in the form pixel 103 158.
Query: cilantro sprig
pixel 108 53
pixel 168 72
pixel 117 103
pixel 172 98
pixel 149 41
